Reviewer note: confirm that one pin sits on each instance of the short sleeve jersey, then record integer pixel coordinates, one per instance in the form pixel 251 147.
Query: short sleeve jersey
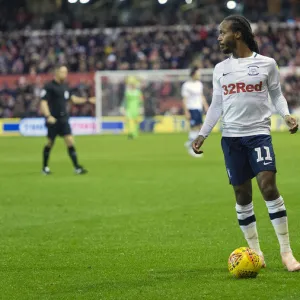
pixel 192 91
pixel 57 95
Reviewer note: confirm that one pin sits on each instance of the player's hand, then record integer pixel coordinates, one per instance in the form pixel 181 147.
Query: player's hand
pixel 122 111
pixel 292 123
pixel 51 120
pixel 91 100
pixel 197 144
pixel 188 115
pixel 206 109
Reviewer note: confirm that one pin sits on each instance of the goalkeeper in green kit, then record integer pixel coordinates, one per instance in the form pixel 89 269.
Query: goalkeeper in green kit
pixel 132 106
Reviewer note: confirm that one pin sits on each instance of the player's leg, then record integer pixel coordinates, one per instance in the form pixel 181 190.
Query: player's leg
pixel 52 133
pixel 65 131
pixel 262 160
pixel 69 140
pixel 195 123
pixel 245 214
pixel 267 184
pixel 136 126
pixel 195 126
pixel 240 175
pixel 130 125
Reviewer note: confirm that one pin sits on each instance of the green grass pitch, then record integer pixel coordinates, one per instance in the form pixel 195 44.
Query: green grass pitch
pixel 147 222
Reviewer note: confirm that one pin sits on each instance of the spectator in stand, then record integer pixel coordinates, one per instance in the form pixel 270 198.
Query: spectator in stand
pixel 127 49
pixel 23 100
pixel 156 48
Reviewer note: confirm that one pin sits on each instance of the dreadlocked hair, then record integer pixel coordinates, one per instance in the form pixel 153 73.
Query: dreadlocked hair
pixel 240 23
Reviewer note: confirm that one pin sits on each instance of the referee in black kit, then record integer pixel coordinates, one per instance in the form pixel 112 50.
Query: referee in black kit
pixel 54 99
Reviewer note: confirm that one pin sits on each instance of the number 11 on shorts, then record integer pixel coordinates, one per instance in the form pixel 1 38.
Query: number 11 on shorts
pixel 259 154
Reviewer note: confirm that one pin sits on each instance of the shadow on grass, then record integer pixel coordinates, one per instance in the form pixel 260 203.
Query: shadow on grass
pixel 190 272
pixel 208 279
pixel 150 279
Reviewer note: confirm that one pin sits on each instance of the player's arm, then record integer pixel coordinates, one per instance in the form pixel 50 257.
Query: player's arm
pixel 186 110
pixel 122 108
pixel 203 99
pixel 44 107
pixel 141 103
pixel 278 99
pixel 123 105
pixel 184 95
pixel 205 103
pixel 81 100
pixel 213 114
pixel 141 98
pixel 212 117
pixel 92 100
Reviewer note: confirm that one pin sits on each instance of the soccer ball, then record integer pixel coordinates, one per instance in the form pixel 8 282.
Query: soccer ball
pixel 244 263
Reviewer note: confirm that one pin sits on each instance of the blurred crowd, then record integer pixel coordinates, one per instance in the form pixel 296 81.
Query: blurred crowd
pixel 147 48
pixel 54 14
pixel 23 98
pixel 88 50
pixel 134 49
pixel 291 90
pixel 281 43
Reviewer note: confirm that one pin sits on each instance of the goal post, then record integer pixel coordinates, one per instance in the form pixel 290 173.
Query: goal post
pixel 161 90
pixel 98 103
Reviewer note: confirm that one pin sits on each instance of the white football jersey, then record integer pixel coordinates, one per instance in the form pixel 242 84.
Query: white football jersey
pixel 244 84
pixel 192 91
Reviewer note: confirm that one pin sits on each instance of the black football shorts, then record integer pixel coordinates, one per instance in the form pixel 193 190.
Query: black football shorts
pixel 61 128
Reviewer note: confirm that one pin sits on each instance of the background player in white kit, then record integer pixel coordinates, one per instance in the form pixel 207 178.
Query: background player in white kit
pixel 241 85
pixel 193 103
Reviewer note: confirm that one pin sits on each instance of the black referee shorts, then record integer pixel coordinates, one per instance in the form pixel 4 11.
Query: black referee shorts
pixel 61 128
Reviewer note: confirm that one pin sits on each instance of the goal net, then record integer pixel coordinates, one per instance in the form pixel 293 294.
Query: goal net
pixel 162 98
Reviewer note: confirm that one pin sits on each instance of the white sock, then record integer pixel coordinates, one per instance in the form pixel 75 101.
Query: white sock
pixel 277 213
pixel 247 222
pixel 193 134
